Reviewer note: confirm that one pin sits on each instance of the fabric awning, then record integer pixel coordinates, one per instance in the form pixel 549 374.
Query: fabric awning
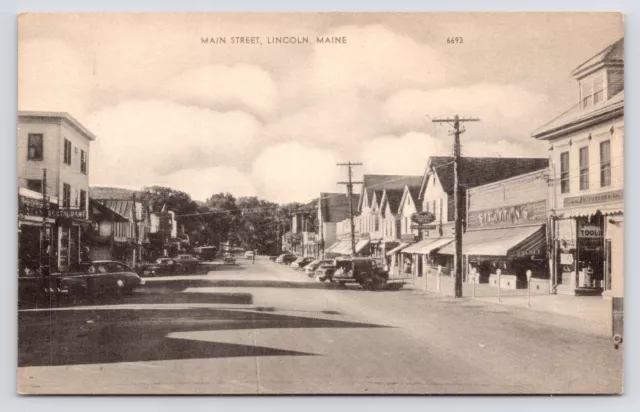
pixel 426 246
pixel 397 248
pixel 362 243
pixel 512 242
pixel 331 248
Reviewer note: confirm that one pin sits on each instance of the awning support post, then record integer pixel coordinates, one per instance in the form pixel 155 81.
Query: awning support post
pixel 499 272
pixel 529 288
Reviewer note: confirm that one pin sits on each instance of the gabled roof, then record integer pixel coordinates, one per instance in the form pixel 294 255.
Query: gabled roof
pixel 381 182
pixel 103 209
pixel 377 197
pixel 411 192
pixel 393 198
pixel 121 207
pixel 335 206
pixel 476 171
pixel 610 55
pixel 113 193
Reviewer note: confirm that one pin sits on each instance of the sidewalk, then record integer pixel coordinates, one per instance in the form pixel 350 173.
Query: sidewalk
pixel 588 309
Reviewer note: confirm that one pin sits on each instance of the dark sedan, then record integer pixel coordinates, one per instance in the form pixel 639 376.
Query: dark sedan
pixel 98 277
pixel 163 267
pixel 188 261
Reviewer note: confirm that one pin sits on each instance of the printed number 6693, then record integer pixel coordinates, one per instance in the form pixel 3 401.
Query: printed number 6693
pixel 454 40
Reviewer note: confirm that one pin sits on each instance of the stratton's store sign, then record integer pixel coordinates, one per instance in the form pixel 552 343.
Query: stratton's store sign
pixel 509 215
pixel 607 197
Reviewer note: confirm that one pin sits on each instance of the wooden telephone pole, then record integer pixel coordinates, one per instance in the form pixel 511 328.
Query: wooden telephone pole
pixel 457 198
pixel 350 184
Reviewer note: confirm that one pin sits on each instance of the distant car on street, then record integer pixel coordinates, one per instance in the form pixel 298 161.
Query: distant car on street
pixel 228 259
pixel 273 258
pixel 286 258
pixel 190 262
pixel 310 269
pixel 206 253
pixel 163 267
pixel 249 254
pixel 301 262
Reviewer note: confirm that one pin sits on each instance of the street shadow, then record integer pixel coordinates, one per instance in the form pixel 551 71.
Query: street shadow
pixel 150 298
pixel 92 335
pixel 177 284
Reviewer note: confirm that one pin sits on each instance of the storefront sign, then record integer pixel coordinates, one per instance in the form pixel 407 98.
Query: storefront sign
pixel 566 259
pixel 590 231
pixel 589 236
pixel 509 215
pixel 422 218
pixel 408 238
pixel 607 197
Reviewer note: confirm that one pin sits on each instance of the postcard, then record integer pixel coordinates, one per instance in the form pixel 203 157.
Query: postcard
pixel 320 203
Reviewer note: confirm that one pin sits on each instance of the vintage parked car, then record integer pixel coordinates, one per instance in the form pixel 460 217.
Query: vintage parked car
pixel 98 277
pixel 310 269
pixel 286 258
pixel 163 266
pixel 325 271
pixel 249 254
pixel 206 253
pixel 228 259
pixel 273 258
pixel 367 272
pixel 188 261
pixel 301 262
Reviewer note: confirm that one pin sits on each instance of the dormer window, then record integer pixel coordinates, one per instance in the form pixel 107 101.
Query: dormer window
pixel 592 91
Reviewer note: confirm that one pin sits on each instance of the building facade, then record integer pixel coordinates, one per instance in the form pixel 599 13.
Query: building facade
pixel 586 190
pixel 506 233
pixel 53 161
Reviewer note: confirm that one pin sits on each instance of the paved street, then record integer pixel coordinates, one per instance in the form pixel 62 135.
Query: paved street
pixel 264 328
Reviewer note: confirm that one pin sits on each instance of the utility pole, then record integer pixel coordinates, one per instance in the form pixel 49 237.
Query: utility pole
pixel 457 198
pixel 136 233
pixel 350 184
pixel 44 253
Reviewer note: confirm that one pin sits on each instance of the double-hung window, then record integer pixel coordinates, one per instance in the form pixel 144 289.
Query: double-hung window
pixel 83 162
pixel 564 172
pixel 605 164
pixel 584 168
pixel 66 195
pixel 35 146
pixel 67 152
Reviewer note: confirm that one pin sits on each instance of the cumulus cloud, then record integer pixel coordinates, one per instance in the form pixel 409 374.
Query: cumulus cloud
pixel 340 121
pixel 406 154
pixel 293 171
pixel 244 86
pixel 506 111
pixel 155 138
pixel 202 183
pixel 375 59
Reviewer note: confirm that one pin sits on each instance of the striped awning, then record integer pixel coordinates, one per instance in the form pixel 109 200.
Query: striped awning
pixel 426 246
pixel 511 242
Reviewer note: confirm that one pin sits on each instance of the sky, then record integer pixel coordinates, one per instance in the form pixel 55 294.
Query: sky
pixel 272 120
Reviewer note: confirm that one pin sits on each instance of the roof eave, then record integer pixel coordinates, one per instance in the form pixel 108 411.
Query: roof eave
pixel 614 110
